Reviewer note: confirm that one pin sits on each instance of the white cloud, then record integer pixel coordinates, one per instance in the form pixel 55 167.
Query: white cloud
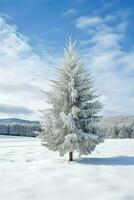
pixel 70 12
pixel 83 22
pixel 111 65
pixel 95 21
pixel 22 74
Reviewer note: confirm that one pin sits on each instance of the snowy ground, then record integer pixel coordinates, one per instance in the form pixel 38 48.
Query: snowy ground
pixel 28 171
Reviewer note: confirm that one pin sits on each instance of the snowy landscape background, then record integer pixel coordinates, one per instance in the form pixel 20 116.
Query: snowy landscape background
pixel 33 36
pixel 112 127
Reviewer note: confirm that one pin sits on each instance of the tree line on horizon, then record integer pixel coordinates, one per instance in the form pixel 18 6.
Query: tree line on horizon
pixel 112 127
pixel 20 129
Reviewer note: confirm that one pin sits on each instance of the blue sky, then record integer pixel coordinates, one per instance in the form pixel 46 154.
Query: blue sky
pixel 52 21
pixel 32 39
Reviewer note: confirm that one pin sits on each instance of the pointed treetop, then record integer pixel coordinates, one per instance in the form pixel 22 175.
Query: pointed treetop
pixel 70 47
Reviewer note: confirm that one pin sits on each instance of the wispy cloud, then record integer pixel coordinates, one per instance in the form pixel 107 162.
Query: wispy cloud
pixel 86 21
pixel 10 109
pixel 22 74
pixel 93 21
pixel 110 63
pixel 70 12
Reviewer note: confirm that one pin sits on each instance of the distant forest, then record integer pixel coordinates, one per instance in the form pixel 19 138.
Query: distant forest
pixel 19 127
pixel 118 127
pixel 112 127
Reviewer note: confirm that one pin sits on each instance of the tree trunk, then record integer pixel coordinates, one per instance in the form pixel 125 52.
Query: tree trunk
pixel 70 156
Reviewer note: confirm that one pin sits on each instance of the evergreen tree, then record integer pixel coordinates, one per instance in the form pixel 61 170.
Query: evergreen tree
pixel 70 123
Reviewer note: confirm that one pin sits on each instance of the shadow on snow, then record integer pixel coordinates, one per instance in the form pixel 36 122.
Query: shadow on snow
pixel 119 160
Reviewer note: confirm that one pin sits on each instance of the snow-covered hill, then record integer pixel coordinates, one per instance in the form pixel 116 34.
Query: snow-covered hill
pixel 28 171
pixel 17 120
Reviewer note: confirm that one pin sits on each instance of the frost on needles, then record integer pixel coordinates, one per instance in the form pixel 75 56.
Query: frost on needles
pixel 71 122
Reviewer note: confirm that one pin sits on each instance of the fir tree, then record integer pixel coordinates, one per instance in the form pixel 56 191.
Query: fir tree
pixel 70 123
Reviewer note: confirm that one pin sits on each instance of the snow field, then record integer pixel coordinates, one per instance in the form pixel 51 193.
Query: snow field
pixel 28 171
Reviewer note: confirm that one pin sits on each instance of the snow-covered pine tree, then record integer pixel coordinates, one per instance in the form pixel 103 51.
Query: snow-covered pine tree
pixel 70 123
